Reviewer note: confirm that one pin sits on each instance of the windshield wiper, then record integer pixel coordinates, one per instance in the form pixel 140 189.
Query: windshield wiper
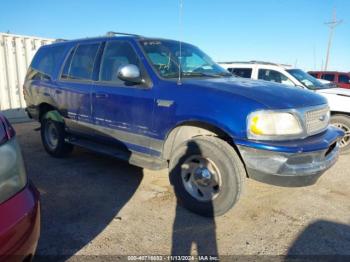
pixel 225 74
pixel 198 74
pixel 194 74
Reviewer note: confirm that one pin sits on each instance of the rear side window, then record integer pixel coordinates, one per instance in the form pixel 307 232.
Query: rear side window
pixel 344 79
pixel 80 62
pixel 46 60
pixel 274 76
pixel 328 77
pixel 241 72
pixel 116 55
pixel 313 74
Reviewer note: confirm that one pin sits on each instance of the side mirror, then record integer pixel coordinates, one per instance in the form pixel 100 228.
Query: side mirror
pixel 130 73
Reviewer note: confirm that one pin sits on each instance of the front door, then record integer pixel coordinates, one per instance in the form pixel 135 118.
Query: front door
pixel 274 76
pixel 122 112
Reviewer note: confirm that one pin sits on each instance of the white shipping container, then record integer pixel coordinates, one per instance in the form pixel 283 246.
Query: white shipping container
pixel 16 53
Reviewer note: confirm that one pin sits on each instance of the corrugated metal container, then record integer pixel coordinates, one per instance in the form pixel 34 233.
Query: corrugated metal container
pixel 16 53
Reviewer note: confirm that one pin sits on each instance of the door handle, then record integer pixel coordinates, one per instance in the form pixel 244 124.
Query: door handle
pixel 101 95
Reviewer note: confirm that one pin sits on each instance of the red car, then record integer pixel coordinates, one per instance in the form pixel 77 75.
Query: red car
pixel 341 79
pixel 19 201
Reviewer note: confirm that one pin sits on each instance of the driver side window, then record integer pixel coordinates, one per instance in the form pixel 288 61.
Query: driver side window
pixel 116 55
pixel 274 76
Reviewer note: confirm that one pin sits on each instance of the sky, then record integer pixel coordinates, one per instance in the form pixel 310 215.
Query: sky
pixel 282 31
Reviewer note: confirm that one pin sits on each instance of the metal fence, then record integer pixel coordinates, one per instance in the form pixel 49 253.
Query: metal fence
pixel 16 53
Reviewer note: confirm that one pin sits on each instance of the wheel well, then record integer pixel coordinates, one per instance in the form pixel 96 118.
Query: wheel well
pixel 44 108
pixel 189 130
pixel 333 113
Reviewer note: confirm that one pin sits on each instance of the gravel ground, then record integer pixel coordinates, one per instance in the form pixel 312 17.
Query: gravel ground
pixel 97 205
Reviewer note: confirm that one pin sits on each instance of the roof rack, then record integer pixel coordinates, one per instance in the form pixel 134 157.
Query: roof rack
pixel 254 62
pixel 60 40
pixel 111 33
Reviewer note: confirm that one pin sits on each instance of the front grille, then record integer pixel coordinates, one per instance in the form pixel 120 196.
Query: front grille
pixel 317 120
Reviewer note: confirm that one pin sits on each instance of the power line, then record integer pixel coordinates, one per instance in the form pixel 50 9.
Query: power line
pixel 332 25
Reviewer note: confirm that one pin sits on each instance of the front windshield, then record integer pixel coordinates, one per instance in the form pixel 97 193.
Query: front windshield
pixel 307 80
pixel 165 57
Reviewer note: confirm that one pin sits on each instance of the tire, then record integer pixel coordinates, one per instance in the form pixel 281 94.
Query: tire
pixel 56 146
pixel 343 122
pixel 226 172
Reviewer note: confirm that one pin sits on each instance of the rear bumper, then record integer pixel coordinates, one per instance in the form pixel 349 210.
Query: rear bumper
pixel 20 226
pixel 292 168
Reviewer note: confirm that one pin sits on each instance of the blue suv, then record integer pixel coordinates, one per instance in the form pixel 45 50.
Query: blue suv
pixel 160 103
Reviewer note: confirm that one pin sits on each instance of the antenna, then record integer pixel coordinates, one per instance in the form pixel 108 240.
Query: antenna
pixel 332 25
pixel 296 62
pixel 180 44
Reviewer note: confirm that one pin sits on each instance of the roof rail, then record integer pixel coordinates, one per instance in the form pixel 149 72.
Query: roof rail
pixel 60 40
pixel 111 33
pixel 235 62
pixel 254 62
pixel 269 63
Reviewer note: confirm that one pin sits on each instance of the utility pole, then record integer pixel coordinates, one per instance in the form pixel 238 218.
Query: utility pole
pixel 332 25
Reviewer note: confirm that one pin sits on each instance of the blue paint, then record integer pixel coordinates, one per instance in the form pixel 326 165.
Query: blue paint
pixel 223 102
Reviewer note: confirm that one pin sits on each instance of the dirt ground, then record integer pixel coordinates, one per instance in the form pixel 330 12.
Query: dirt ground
pixel 97 205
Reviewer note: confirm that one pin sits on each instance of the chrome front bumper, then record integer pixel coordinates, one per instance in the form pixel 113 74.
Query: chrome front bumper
pixel 288 169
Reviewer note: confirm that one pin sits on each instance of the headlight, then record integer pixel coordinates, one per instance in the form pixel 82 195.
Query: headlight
pixel 12 174
pixel 269 125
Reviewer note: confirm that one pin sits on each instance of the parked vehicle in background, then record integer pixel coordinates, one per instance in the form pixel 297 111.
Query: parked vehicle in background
pixel 338 98
pixel 341 79
pixel 19 201
pixel 127 96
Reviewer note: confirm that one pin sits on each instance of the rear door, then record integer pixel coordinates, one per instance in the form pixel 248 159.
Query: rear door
pixel 73 94
pixel 344 80
pixel 122 112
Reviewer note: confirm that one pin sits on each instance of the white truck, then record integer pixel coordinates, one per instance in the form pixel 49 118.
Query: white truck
pixel 338 98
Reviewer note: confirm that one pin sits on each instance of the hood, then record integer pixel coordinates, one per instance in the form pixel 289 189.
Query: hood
pixel 271 95
pixel 335 91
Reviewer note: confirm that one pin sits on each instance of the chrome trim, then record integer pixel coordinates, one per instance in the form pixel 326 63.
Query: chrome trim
pixel 129 72
pixel 323 116
pixel 289 164
pixel 165 103
pixel 124 136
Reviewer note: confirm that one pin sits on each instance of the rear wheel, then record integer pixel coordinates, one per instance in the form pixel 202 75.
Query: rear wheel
pixel 343 122
pixel 52 137
pixel 207 175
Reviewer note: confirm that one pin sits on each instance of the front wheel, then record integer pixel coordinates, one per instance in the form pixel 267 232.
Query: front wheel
pixel 207 175
pixel 52 137
pixel 343 122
